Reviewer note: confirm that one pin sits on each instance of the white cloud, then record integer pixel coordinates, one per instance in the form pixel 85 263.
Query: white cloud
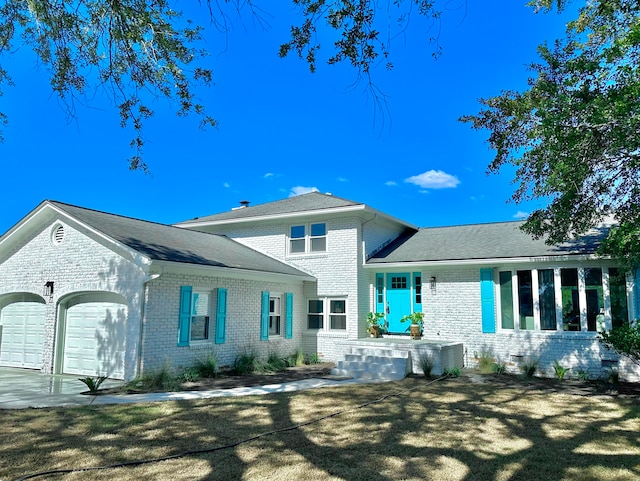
pixel 390 183
pixel 299 190
pixel 226 185
pixel 434 179
pixel 342 179
pixel 269 174
pixel 521 215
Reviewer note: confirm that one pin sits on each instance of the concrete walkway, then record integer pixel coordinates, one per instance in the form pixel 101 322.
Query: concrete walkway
pixel 25 388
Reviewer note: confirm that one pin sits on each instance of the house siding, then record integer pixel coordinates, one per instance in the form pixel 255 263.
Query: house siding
pixel 243 315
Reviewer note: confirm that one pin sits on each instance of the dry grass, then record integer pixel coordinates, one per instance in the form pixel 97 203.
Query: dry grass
pixel 450 430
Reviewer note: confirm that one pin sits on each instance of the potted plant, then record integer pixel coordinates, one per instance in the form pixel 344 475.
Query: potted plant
pixel 417 323
pixel 373 321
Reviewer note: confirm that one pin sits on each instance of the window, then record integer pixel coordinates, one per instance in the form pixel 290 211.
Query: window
pixel 547 296
pixel 197 307
pixel 618 293
pixel 200 304
pixel 570 299
pixel 380 289
pixel 308 238
pixel 506 299
pixel 319 318
pixel 338 314
pixel 536 302
pixel 274 316
pixel 418 288
pixel 315 316
pixel 525 299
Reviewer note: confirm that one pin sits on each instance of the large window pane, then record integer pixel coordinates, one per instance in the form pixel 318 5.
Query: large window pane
pixel 570 303
pixel 547 296
pixel 316 314
pixel 618 292
pixel 200 316
pixel 506 300
pixel 595 297
pixel 337 314
pixel 274 316
pixel 525 299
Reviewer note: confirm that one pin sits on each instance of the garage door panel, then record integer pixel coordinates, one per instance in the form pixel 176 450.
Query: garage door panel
pixel 22 339
pixel 94 340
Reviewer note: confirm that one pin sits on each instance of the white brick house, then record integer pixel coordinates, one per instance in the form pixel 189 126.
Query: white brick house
pixel 87 292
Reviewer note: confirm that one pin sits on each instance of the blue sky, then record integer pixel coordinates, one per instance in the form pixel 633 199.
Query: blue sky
pixel 283 130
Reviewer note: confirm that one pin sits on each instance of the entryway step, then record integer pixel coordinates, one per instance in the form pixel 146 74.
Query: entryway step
pixel 369 365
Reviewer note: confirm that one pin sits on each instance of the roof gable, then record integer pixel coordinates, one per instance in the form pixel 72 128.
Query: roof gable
pixel 159 242
pixel 305 203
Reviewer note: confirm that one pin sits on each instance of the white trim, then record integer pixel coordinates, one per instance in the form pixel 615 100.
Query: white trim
pixel 483 262
pixel 291 215
pixel 227 272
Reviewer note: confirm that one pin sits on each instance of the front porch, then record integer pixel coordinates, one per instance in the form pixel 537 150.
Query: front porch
pixel 445 355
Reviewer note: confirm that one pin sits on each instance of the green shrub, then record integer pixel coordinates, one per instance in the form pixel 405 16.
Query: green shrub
pixel 485 361
pixel 453 372
pixel 583 375
pixel 313 359
pixel 425 361
pixel 191 374
pixel 159 380
pixel 296 359
pixel 93 383
pixel 529 367
pixel 208 366
pixel 560 370
pixel 275 363
pixel 245 362
pixel 499 367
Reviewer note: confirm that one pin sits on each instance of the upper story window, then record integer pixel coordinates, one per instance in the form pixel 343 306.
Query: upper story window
pixel 308 238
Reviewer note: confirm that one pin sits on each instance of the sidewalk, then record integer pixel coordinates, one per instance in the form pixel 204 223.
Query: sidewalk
pixel 24 388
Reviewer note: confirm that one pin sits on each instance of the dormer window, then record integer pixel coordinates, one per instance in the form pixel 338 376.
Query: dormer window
pixel 308 238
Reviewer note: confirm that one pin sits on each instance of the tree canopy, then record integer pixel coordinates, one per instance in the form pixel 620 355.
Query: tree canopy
pixel 139 50
pixel 574 134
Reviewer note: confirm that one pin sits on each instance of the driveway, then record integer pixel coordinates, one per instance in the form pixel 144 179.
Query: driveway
pixel 23 388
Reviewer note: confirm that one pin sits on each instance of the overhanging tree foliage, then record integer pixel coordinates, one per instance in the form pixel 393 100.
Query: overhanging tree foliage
pixel 574 135
pixel 139 50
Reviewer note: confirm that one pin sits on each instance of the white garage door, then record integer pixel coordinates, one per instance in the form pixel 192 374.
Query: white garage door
pixel 22 336
pixel 94 339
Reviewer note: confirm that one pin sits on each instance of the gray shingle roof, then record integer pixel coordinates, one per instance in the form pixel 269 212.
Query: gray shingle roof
pixel 500 240
pixel 166 243
pixel 313 201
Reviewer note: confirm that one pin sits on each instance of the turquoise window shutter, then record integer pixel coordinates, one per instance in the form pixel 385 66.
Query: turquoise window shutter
pixel 221 316
pixel 487 300
pixel 264 324
pixel 185 315
pixel 288 327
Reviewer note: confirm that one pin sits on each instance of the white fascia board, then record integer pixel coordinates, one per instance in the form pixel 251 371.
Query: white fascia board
pixel 229 272
pixel 292 215
pixel 485 262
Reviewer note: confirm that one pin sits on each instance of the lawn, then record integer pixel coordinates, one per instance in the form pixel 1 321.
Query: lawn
pixel 414 430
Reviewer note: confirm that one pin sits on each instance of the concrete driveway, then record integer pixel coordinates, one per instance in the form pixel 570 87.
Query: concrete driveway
pixel 23 388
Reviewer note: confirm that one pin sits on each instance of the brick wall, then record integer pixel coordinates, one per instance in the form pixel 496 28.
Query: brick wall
pixel 160 329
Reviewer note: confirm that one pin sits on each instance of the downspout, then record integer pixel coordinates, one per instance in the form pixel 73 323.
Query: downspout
pixel 143 304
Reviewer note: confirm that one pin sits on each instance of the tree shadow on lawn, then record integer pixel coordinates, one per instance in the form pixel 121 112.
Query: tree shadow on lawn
pixel 452 429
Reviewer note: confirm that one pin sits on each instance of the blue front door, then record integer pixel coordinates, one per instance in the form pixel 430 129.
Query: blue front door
pixel 398 301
